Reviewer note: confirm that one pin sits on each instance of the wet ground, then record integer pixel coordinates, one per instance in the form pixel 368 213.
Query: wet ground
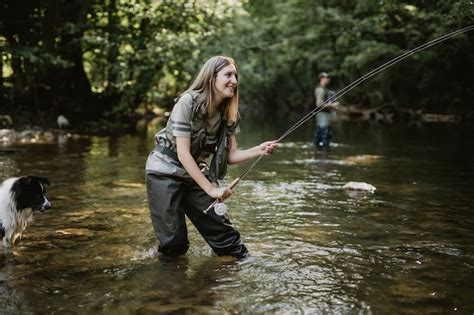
pixel 407 248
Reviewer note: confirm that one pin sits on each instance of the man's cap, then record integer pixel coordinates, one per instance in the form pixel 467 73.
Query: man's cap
pixel 323 75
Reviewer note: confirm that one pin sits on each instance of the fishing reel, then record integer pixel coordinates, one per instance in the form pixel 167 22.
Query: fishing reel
pixel 219 207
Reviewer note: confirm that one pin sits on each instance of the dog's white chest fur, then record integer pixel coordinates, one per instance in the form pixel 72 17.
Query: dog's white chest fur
pixel 13 222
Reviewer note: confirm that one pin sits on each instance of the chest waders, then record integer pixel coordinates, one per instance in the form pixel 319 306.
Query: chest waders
pixel 172 198
pixel 218 168
pixel 323 134
pixel 219 161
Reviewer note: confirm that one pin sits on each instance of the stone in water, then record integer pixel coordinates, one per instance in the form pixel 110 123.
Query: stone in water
pixel 359 186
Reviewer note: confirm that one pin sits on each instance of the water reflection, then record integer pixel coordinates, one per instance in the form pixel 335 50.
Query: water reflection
pixel 315 247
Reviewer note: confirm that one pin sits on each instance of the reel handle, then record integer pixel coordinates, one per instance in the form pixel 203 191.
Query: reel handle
pixel 215 202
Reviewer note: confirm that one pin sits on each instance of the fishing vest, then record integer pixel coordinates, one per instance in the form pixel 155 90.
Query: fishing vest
pixel 218 167
pixel 327 95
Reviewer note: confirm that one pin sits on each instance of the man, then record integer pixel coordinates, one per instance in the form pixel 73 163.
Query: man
pixel 323 117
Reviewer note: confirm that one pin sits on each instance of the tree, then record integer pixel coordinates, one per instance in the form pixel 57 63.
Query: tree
pixel 45 54
pixel 100 58
pixel 281 46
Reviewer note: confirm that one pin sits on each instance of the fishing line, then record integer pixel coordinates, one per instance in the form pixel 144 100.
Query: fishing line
pixel 223 209
pixel 370 74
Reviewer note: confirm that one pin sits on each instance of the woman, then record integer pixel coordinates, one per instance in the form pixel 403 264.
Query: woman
pixel 204 121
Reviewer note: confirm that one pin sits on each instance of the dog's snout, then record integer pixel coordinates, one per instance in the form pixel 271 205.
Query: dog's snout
pixel 46 205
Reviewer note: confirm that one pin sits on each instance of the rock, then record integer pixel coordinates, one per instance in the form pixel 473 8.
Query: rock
pixel 363 159
pixel 6 133
pixel 359 186
pixel 27 134
pixel 49 136
pixel 440 118
pixel 7 136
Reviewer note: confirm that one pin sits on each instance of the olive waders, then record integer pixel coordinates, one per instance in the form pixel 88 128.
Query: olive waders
pixel 173 194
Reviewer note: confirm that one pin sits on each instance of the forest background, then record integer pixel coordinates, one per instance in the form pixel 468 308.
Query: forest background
pixel 109 60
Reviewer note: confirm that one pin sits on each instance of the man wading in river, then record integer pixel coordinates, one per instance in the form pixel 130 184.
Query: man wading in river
pixel 204 122
pixel 322 137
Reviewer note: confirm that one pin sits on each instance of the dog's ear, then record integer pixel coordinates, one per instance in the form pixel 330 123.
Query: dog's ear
pixel 22 182
pixel 25 180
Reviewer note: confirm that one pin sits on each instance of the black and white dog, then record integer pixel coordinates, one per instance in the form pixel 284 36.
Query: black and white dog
pixel 20 197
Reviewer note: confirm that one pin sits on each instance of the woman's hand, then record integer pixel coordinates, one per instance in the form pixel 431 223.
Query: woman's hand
pixel 220 193
pixel 237 156
pixel 268 147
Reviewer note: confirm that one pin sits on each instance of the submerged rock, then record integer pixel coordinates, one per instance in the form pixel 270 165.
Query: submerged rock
pixel 359 186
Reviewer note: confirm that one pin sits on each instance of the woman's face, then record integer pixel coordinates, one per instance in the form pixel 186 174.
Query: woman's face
pixel 226 82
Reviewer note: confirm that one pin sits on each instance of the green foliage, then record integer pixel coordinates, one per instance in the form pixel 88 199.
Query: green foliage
pixel 123 53
pixel 106 57
pixel 281 46
pixel 143 51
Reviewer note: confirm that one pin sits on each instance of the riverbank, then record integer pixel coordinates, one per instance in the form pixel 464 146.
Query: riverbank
pixel 9 137
pixel 391 114
pixel 14 135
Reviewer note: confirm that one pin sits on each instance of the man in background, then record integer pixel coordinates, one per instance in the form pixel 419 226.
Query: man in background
pixel 322 94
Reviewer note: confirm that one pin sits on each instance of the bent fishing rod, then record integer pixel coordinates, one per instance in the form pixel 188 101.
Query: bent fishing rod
pixel 220 207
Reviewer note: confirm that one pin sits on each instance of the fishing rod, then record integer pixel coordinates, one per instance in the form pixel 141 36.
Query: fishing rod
pixel 220 208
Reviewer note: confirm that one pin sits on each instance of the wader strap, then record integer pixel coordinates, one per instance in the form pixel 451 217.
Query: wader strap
pixel 218 167
pixel 169 152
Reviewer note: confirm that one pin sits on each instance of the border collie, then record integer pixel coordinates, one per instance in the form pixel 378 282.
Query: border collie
pixel 20 197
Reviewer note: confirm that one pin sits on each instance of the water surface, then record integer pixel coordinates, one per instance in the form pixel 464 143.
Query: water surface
pixel 408 248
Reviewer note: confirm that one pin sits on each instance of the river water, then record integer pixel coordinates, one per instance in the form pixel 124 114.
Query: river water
pixel 315 248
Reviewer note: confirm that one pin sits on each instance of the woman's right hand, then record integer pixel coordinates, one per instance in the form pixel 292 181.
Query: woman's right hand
pixel 220 193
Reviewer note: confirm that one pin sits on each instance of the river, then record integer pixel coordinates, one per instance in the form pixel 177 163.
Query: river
pixel 315 248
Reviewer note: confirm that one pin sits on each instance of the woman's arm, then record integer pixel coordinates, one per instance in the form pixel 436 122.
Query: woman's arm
pixel 237 156
pixel 183 146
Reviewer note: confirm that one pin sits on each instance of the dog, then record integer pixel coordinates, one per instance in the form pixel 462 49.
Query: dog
pixel 20 198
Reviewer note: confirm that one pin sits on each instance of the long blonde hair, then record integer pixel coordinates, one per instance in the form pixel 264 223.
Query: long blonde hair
pixel 204 84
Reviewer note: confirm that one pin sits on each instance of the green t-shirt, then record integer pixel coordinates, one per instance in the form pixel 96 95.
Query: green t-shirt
pixel 180 125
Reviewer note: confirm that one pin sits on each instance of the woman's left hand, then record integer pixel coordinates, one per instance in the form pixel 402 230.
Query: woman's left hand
pixel 267 147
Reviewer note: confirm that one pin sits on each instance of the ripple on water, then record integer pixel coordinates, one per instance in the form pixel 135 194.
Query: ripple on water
pixel 314 249
pixel 316 161
pixel 300 272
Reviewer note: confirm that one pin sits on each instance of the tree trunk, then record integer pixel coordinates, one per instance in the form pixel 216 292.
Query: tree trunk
pixel 70 89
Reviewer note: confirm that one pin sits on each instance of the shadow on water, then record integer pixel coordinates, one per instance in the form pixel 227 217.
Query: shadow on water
pixel 315 247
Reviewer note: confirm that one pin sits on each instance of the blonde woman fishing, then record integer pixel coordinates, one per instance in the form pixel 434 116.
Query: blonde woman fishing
pixel 204 122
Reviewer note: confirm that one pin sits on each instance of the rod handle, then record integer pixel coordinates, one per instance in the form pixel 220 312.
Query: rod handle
pixel 234 183
pixel 231 186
